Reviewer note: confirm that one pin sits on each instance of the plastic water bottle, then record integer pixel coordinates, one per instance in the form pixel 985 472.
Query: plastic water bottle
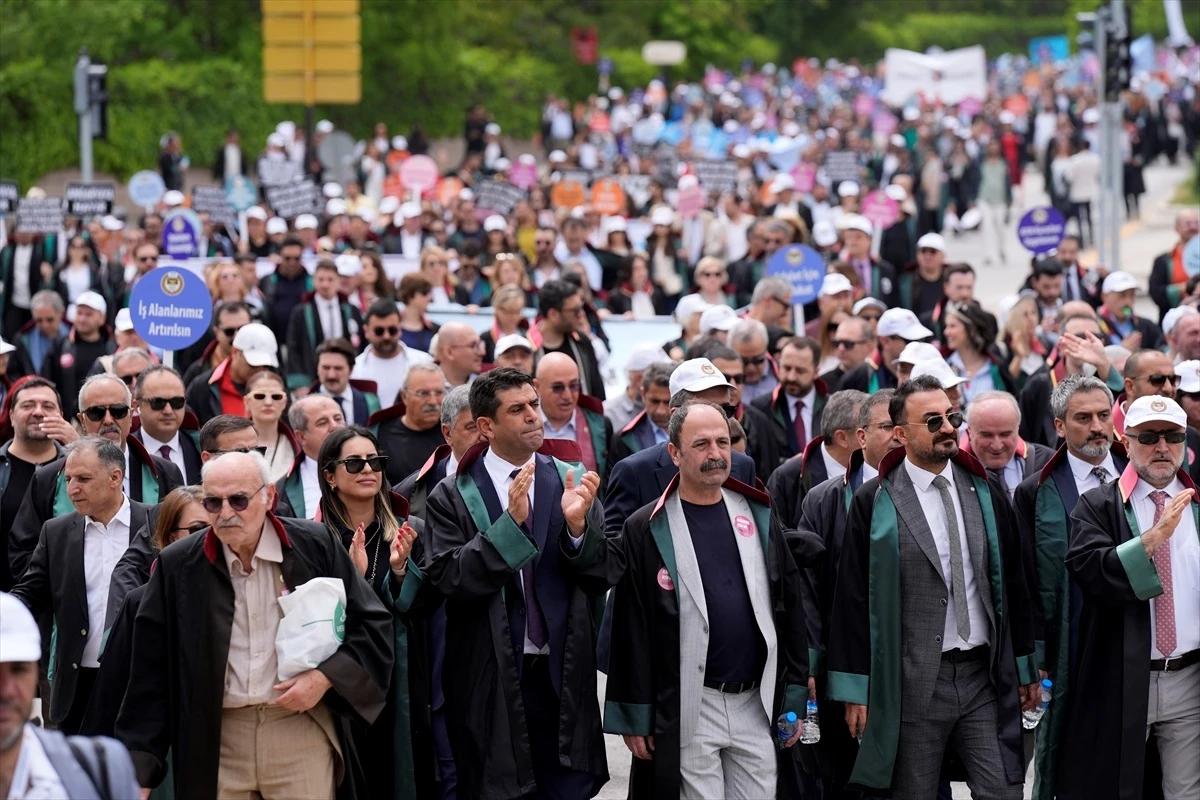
pixel 786 727
pixel 1030 719
pixel 812 725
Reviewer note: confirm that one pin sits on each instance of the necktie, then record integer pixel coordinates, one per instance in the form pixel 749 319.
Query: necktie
pixel 535 621
pixel 165 451
pixel 341 401
pixel 798 425
pixel 1164 604
pixel 958 581
pixel 1101 475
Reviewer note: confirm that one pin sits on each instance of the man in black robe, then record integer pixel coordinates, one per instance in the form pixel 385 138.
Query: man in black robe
pixel 1133 552
pixel 188 685
pixel 517 547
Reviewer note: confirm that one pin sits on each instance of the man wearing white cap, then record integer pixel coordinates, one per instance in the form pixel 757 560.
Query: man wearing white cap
pixel 70 359
pixel 921 284
pixel 836 295
pixel 786 201
pixel 878 278
pixel 1188 390
pixel 256 232
pixel 1150 373
pixel 1181 329
pixel 895 329
pixel 514 350
pixel 717 321
pixel 1168 275
pixel 1134 553
pixel 409 239
pixel 220 390
pixel 621 409
pixel 1119 322
pixel 36 762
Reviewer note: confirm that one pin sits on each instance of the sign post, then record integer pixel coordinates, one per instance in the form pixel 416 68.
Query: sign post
pixel 804 269
pixel 170 308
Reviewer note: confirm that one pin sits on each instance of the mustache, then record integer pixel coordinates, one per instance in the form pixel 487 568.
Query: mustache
pixel 429 408
pixel 109 429
pixel 714 463
pixel 232 522
pixel 944 438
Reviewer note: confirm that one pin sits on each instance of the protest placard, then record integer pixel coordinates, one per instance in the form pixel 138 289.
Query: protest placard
pixel 211 200
pixel 841 165
pixel 10 193
pixel 90 199
pixel 277 171
pixel 498 196
pixel 40 215
pixel 716 176
pixel 294 199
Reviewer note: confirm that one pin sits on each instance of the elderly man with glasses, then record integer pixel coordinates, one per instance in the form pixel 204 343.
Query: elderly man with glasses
pixel 1152 373
pixel 567 413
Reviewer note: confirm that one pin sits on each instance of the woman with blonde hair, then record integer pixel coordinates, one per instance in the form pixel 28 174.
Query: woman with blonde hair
pixel 1021 349
pixel 509 270
pixel 225 283
pixel 508 305
pixel 435 267
pixel 711 280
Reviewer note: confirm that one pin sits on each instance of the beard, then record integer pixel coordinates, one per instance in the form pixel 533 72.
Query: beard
pixel 1095 448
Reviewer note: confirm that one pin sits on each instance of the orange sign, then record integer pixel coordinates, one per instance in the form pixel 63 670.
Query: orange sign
pixel 568 194
pixel 448 189
pixel 608 197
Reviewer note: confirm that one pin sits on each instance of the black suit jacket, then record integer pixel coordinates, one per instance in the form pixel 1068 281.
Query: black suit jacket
pixel 643 477
pixel 55 583
pixel 191 456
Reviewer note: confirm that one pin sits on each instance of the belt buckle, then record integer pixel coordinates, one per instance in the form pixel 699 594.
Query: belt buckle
pixel 1167 663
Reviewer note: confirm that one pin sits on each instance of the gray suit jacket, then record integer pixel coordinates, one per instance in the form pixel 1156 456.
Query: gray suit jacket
pixel 924 591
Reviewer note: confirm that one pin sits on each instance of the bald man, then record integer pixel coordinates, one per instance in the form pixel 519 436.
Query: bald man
pixel 567 413
pixel 459 353
pixel 993 422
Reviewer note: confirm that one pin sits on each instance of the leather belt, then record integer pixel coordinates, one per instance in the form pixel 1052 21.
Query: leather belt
pixel 958 655
pixel 1176 663
pixel 732 687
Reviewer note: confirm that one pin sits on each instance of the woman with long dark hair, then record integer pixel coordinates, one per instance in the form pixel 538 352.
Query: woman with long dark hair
pixel 970 338
pixel 359 508
pixel 636 295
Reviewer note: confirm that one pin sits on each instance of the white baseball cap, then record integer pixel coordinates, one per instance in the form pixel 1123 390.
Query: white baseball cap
pixel 848 189
pixel 903 323
pixel 689 304
pixel 940 370
pixel 1172 317
pixel 276 140
pixel 92 300
pixel 824 234
pixel 331 190
pixel 306 222
pixel 173 198
pixel 256 212
pixel 867 302
pixel 1091 116
pixel 1119 281
pixel 335 207
pixel 111 223
pixel 324 126
pixel 835 283
pixel 276 225
pixel 465 194
pixel 1188 372
pixel 20 639
pixel 662 216
pixel 643 355
pixel 495 222
pixel 856 222
pixel 409 210
pixel 557 157
pixel 257 345
pixel 348 265
pixel 511 340
pixel 934 241
pixel 615 223
pixel 502 164
pixel 917 353
pixel 718 318
pixel 6 348
pixel 896 192
pixel 367 214
pixel 783 183
pixel 696 375
pixel 388 205
pixel 1153 408
pixel 123 322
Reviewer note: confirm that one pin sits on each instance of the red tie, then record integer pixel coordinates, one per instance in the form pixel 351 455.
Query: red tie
pixel 165 450
pixel 798 424
pixel 1164 604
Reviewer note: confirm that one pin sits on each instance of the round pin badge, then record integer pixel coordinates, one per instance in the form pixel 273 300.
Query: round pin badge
pixel 66 360
pixel 744 526
pixel 664 580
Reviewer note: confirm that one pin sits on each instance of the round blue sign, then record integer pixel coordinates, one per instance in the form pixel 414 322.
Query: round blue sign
pixel 802 267
pixel 1041 229
pixel 181 233
pixel 240 192
pixel 146 188
pixel 171 307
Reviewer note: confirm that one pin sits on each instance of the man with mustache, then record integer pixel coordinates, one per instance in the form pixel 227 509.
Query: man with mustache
pixel 1134 553
pixel 1043 503
pixel 411 430
pixel 708 638
pixel 105 402
pixel 930 638
pixel 1152 373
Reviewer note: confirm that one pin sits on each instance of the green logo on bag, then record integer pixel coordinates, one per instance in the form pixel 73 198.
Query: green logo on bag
pixel 339 621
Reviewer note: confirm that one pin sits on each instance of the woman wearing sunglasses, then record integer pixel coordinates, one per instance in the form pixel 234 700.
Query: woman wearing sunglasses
pixel 181 514
pixel 359 509
pixel 266 401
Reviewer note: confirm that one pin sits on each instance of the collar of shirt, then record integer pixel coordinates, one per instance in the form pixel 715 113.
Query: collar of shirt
pixel 1082 470
pixel 923 479
pixel 869 472
pixel 660 435
pixel 451 463
pixel 833 467
pixel 567 431
pixel 125 482
pixel 500 471
pixel 1141 492
pixel 268 549
pixel 346 394
pixel 955 361
pixel 121 516
pixel 155 446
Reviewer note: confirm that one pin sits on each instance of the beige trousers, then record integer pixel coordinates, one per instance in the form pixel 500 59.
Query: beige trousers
pixel 269 752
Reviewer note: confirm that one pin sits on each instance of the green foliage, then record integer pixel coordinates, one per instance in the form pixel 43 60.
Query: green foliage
pixel 951 31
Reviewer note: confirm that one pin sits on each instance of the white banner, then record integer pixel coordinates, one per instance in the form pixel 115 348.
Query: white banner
pixel 948 77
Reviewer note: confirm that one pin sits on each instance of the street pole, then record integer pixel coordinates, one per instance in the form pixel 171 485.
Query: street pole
pixel 1112 117
pixel 83 109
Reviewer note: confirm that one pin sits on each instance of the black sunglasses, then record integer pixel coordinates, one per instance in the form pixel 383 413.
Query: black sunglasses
pixel 96 413
pixel 193 528
pixel 756 360
pixel 356 464
pixel 934 423
pixel 159 403
pixel 737 380
pixel 238 502
pixel 261 450
pixel 229 333
pixel 128 380
pixel 390 330
pixel 847 343
pixel 1157 381
pixel 1150 438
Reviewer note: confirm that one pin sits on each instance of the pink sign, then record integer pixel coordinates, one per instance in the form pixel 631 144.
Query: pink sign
pixel 523 175
pixel 805 175
pixel 970 106
pixel 880 209
pixel 864 104
pixel 884 122
pixel 690 201
pixel 419 173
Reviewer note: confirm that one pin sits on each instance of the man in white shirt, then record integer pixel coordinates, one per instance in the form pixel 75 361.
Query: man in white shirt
pixel 1135 555
pixel 159 401
pixel 1083 182
pixel 387 359
pixel 993 419
pixel 573 247
pixel 312 418
pixel 84 544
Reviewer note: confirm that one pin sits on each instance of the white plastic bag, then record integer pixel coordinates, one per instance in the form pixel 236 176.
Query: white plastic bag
pixel 313 625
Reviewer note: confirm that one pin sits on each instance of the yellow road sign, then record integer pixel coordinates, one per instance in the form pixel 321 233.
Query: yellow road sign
pixel 311 51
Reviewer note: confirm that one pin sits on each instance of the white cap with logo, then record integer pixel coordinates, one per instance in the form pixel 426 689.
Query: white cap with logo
pixel 1153 408
pixel 938 369
pixel 1172 317
pixel 511 340
pixel 1118 282
pixel 1188 372
pixel 20 639
pixel 835 283
pixel 258 345
pixel 696 375
pixel 903 323
pixel 5 347
pixel 689 304
pixel 718 318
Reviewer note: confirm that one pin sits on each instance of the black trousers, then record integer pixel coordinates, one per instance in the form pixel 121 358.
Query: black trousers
pixel 84 682
pixel 555 782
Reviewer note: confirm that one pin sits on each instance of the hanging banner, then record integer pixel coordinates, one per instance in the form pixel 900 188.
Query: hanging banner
pixel 947 77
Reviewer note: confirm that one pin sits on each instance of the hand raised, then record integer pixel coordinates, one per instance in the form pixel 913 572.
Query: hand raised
pixel 401 548
pixel 358 549
pixel 577 499
pixel 518 494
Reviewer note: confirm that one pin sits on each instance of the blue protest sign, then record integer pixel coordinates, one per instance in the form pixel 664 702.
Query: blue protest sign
pixel 240 192
pixel 1041 229
pixel 181 233
pixel 146 188
pixel 170 307
pixel 1191 257
pixel 802 267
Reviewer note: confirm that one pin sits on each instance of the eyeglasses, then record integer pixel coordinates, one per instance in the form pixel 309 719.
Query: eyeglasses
pixel 237 502
pixel 429 394
pixel 1150 438
pixel 847 343
pixel 289 258
pixel 147 259
pixel 1157 381
pixel 229 333
pixel 261 450
pixel 777 242
pixel 756 360
pixel 192 528
pixel 737 380
pixel 475 345
pixel 573 387
pixel 128 380
pixel 389 330
pixel 96 413
pixel 437 262
pixel 275 397
pixel 881 426
pixel 159 403
pixel 356 464
pixel 708 275
pixel 934 423
pixel 572 312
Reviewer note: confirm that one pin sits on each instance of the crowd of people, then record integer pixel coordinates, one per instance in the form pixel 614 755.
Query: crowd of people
pixel 910 511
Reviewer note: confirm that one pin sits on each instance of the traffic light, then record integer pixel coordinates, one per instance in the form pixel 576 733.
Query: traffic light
pixel 98 96
pixel 1118 64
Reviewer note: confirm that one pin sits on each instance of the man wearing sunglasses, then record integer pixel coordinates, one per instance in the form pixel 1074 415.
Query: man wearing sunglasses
pixel 923 605
pixel 70 359
pixel 387 359
pixel 1150 373
pixel 71 567
pixel 284 289
pixel 217 593
pixel 562 306
pixel 215 346
pixel 220 390
pixel 517 547
pixel 897 327
pixel 1134 553
pixel 749 339
pixel 166 427
pixel 107 407
pixel 567 413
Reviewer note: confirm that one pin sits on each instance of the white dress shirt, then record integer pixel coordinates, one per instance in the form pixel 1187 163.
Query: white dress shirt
pixel 806 413
pixel 103 546
pixel 1082 472
pixel 347 403
pixel 331 316
pixel 935 516
pixel 411 244
pixel 833 468
pixel 312 487
pixel 155 448
pixel 22 255
pixel 869 472
pixel 1185 569
pixel 567 431
pixel 34 776
pixel 388 373
pixel 125 480
pixel 451 463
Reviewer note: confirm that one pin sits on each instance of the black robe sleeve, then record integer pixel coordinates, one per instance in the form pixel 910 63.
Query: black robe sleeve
pixel 814 518
pixel 1108 573
pixel 1019 575
pixel 144 723
pixel 1025 511
pixel 790 617
pixel 850 621
pixel 629 707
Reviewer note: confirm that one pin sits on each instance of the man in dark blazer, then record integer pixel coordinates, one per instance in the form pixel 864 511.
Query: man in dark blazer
pixel 27 253
pixel 322 316
pixel 357 399
pixel 70 570
pixel 993 425
pixel 649 426
pixel 796 403
pixel 167 428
